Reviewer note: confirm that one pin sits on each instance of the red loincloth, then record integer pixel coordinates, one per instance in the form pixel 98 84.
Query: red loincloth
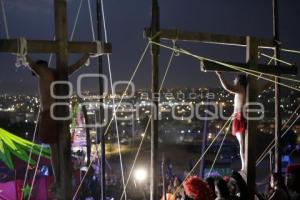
pixel 238 124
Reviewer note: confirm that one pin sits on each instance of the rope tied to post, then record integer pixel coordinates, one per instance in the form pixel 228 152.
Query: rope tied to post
pixel 22 53
pixel 96 55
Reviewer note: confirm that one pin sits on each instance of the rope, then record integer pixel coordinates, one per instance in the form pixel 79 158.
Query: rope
pixel 291 51
pixel 268 147
pixel 4 19
pixel 149 120
pixel 272 144
pixel 22 52
pixel 274 58
pixel 35 172
pixel 219 150
pixel 201 157
pixel 30 153
pixel 113 96
pixel 91 19
pixel 247 71
pixel 76 20
pixel 126 89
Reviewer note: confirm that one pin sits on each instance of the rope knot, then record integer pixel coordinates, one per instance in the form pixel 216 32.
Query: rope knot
pixel 22 53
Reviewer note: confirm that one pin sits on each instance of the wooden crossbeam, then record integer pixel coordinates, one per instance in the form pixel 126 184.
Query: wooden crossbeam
pixel 44 46
pixel 269 69
pixel 179 35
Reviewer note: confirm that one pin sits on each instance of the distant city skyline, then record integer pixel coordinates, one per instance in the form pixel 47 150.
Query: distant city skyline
pixel 125 23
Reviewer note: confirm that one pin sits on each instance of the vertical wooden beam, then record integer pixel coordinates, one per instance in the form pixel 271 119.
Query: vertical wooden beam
pixel 277 168
pixel 155 88
pixel 64 145
pixel 100 130
pixel 251 59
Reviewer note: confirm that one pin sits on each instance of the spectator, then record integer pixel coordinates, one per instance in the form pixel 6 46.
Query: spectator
pixel 197 189
pixel 293 181
pixel 278 190
pixel 221 190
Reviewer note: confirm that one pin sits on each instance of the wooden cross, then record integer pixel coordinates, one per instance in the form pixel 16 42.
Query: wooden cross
pixel 252 44
pixel 62 48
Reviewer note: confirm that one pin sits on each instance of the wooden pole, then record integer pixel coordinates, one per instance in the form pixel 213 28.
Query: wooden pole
pixel 250 162
pixel 100 130
pixel 277 91
pixel 155 88
pixel 64 145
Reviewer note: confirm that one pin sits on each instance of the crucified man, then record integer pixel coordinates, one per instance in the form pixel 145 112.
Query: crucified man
pixel 47 127
pixel 239 125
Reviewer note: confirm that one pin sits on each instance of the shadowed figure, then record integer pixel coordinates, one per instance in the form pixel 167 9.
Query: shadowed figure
pixel 239 122
pixel 47 126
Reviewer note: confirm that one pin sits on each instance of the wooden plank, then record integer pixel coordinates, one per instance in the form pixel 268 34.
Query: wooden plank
pixel 64 145
pixel 179 35
pixel 155 24
pixel 250 138
pixel 44 46
pixel 278 124
pixel 270 69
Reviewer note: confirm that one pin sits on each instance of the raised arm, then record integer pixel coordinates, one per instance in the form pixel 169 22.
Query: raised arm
pixel 33 66
pixel 230 88
pixel 78 64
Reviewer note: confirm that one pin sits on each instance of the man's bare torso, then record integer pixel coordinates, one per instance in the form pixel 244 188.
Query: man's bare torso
pixel 46 77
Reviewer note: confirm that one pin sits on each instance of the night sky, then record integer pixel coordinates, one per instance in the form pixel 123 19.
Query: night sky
pixel 126 20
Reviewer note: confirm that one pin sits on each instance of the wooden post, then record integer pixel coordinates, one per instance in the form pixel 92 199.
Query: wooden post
pixel 155 88
pixel 277 92
pixel 100 130
pixel 250 162
pixel 64 145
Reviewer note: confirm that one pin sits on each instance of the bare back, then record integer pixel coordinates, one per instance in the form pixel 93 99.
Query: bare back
pixel 46 77
pixel 239 101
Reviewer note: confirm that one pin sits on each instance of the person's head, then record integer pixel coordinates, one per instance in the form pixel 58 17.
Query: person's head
pixel 197 189
pixel 275 180
pixel 42 63
pixel 211 183
pixel 241 79
pixel 221 188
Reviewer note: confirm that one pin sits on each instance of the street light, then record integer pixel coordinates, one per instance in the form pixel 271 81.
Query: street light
pixel 140 175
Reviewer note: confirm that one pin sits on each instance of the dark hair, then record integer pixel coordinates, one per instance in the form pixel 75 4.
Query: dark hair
pixel 222 187
pixel 242 79
pixel 41 62
pixel 211 183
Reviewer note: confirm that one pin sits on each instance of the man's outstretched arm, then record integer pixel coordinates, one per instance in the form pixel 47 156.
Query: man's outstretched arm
pixel 78 64
pixel 33 66
pixel 230 88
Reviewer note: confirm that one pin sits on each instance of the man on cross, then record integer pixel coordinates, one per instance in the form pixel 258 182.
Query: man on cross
pixel 239 123
pixel 47 126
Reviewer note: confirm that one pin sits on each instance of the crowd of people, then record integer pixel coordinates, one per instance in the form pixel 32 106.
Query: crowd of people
pixel 234 187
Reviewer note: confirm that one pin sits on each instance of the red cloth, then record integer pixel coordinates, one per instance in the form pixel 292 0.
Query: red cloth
pixel 238 124
pixel 197 189
pixel 47 128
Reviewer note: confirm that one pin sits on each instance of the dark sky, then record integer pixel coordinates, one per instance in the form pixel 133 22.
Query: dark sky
pixel 125 22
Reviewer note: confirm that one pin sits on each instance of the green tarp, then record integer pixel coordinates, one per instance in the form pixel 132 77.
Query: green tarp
pixel 11 144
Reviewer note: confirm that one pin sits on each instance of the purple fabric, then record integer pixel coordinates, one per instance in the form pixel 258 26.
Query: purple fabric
pixel 8 191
